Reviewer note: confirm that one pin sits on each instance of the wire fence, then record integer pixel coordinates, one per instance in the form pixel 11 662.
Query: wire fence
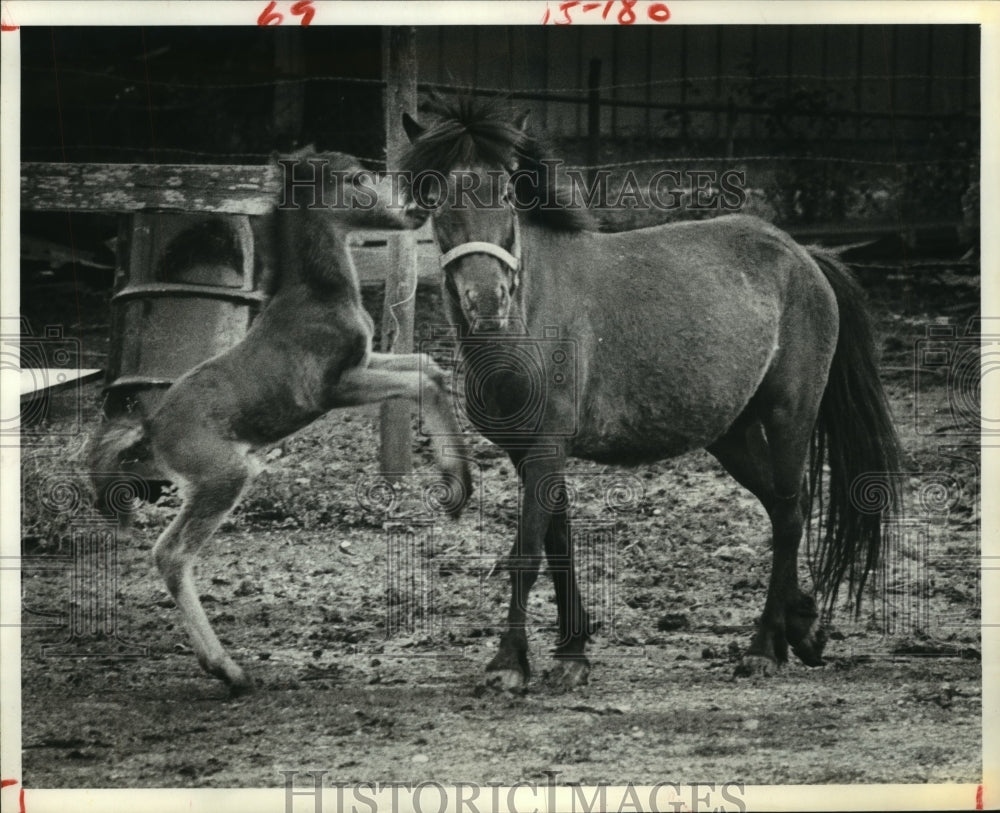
pixel 815 149
pixel 302 81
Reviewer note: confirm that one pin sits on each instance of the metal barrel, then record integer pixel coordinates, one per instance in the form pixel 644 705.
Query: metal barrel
pixel 187 287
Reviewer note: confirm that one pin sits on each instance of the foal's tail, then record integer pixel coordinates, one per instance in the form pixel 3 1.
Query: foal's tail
pixel 114 455
pixel 856 438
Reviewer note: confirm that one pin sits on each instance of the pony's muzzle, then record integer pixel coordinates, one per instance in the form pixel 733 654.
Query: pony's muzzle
pixel 478 304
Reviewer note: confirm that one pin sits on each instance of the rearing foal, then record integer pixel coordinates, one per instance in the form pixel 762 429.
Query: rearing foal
pixel 721 334
pixel 308 352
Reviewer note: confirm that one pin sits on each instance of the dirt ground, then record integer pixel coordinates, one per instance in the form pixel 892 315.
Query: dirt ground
pixel 368 632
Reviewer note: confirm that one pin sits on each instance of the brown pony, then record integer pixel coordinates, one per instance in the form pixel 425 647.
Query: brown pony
pixel 307 353
pixel 722 334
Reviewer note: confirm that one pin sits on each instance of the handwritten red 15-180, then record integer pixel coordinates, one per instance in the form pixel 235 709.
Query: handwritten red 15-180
pixel 656 12
pixel 302 8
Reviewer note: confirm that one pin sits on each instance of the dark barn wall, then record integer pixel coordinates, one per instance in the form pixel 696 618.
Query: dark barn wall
pixel 198 95
pixel 911 69
pixel 185 94
pixel 833 121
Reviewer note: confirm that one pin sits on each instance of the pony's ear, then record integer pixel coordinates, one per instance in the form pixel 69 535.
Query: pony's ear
pixel 522 121
pixel 412 127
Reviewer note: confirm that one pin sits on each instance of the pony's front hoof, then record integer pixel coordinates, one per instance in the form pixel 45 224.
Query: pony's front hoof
pixel 755 666
pixel 569 673
pixel 510 681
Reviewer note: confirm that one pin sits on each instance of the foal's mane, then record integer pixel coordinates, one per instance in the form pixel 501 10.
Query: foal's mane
pixel 469 131
pixel 305 242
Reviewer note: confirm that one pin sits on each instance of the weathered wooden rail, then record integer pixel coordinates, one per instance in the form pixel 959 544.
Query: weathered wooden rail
pixel 129 188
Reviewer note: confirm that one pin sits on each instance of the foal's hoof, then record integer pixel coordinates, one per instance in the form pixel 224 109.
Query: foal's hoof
pixel 241 688
pixel 568 673
pixel 238 681
pixel 755 666
pixel 506 680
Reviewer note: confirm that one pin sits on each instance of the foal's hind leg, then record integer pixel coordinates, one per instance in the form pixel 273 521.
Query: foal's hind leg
pixel 205 506
pixel 772 467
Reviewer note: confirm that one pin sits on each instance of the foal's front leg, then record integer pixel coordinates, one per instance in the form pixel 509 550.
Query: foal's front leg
pixel 402 362
pixel 421 381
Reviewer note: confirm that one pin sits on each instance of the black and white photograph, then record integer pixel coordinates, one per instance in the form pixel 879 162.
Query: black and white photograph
pixel 498 406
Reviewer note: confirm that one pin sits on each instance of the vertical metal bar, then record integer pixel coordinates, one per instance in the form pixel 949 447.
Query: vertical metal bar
pixel 968 33
pixel 510 59
pixel 859 81
pixel 894 66
pixel 545 75
pixel 615 42
pixel 824 69
pixel 579 79
pixel 929 84
pixel 440 55
pixel 789 44
pixel 755 76
pixel 475 57
pixel 649 82
pixel 718 79
pixel 684 84
pixel 593 115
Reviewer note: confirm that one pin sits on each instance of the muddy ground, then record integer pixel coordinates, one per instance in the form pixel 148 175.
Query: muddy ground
pixel 368 633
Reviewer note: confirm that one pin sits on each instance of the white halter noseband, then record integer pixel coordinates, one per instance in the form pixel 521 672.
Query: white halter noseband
pixel 512 259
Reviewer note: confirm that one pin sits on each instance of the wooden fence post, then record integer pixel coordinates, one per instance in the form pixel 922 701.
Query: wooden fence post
pixel 399 70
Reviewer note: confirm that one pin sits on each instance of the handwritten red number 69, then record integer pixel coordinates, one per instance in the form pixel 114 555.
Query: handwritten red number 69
pixel 303 9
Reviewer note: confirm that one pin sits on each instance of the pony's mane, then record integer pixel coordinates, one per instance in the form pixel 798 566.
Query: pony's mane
pixel 469 131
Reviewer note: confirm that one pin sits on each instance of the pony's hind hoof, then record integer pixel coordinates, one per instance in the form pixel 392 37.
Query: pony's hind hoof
pixel 810 649
pixel 755 666
pixel 567 674
pixel 509 681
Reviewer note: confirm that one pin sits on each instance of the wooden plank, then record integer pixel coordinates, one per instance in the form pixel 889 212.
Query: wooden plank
pixel 371 262
pixel 35 382
pixel 237 189
pixel 399 69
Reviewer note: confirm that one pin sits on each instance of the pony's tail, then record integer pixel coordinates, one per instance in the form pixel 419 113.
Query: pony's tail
pixel 115 451
pixel 856 439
